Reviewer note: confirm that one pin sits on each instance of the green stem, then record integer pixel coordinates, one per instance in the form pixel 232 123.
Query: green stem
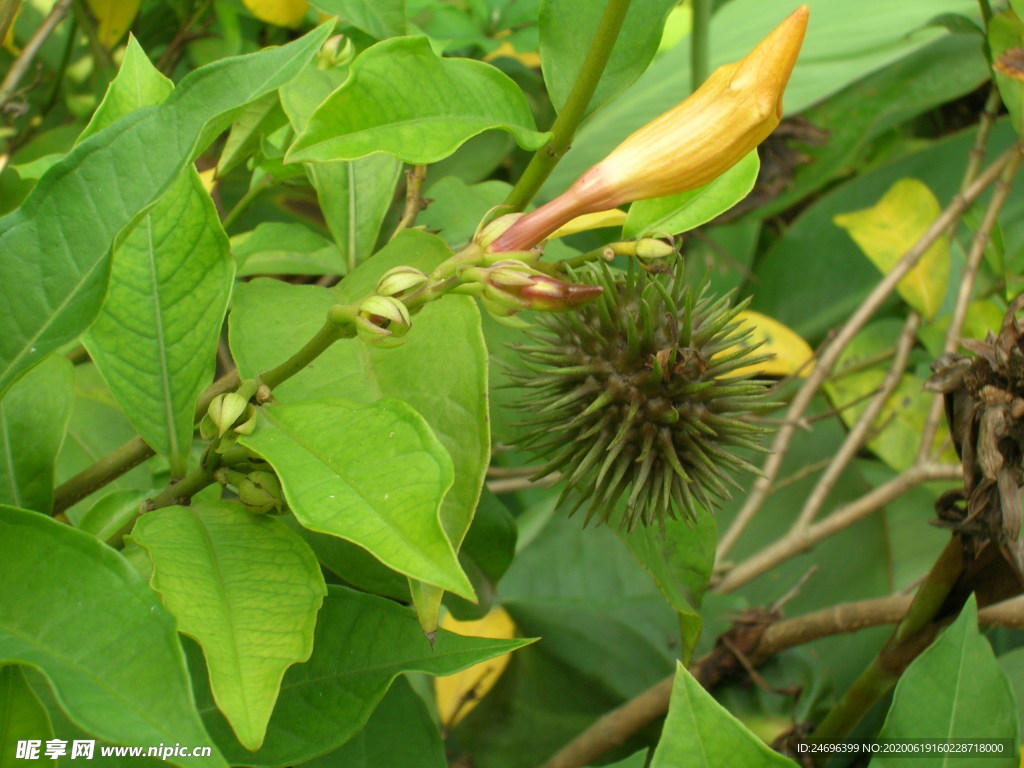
pixel 986 12
pixel 183 490
pixel 126 457
pixel 700 43
pixel 338 326
pixel 571 115
pixel 910 638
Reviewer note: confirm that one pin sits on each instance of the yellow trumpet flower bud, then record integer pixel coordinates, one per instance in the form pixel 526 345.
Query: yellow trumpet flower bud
pixel 688 146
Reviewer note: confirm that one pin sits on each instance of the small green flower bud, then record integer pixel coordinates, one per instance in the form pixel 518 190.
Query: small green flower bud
pixel 338 51
pixel 401 281
pixel 223 412
pixel 650 248
pixel 388 313
pixel 510 286
pixel 377 335
pixel 493 230
pixel 260 492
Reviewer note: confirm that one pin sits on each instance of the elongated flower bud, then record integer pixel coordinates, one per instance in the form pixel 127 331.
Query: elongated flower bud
pixel 688 146
pixel 509 286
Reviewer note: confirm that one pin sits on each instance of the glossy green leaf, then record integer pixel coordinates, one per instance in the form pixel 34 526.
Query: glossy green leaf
pixel 247 589
pixel 354 195
pixel 96 428
pixel 112 516
pixel 372 474
pixel 564 45
pixel 688 210
pixel 440 370
pixel 680 559
pixel 375 746
pixel 599 613
pixel 285 248
pixel 258 120
pixel 1005 31
pixel 699 732
pixel 951 67
pixel 155 340
pixel 137 84
pixel 486 554
pixel 22 715
pixel 33 418
pixel 837 51
pixel 100 182
pixel 362 643
pixel 354 565
pixel 401 98
pixel 890 228
pixel 457 208
pixel 378 18
pixel 954 690
pixel 89 623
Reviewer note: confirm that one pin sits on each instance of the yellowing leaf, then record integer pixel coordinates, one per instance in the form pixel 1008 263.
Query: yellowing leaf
pixel 457 694
pixel 208 179
pixel 113 18
pixel 283 13
pixel 890 228
pixel 791 355
pixel 613 217
pixel 529 59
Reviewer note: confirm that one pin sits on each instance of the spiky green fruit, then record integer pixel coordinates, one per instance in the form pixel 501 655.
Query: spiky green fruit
pixel 636 395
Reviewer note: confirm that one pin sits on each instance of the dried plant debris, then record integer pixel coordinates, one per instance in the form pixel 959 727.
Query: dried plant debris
pixel 984 398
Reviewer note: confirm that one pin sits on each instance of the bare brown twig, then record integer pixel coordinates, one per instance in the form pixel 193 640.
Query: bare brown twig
pixel 21 65
pixel 830 354
pixel 619 724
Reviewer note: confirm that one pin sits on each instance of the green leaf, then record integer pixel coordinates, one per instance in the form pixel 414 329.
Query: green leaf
pixel 951 67
pixel 599 613
pixel 354 195
pixel 567 29
pixel 375 746
pixel 378 18
pixel 954 690
pixel 247 589
pixel 688 210
pixel 96 428
pixel 362 643
pixel 486 554
pixel 22 715
pixel 137 84
pixel 1005 31
pixel 441 370
pixel 33 418
pixel 261 118
pixel 680 559
pixel 636 760
pixel 89 623
pixel 285 248
pixel 890 228
pixel 106 182
pixel 401 98
pixel 457 208
pixel 700 732
pixel 373 474
pixel 155 341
